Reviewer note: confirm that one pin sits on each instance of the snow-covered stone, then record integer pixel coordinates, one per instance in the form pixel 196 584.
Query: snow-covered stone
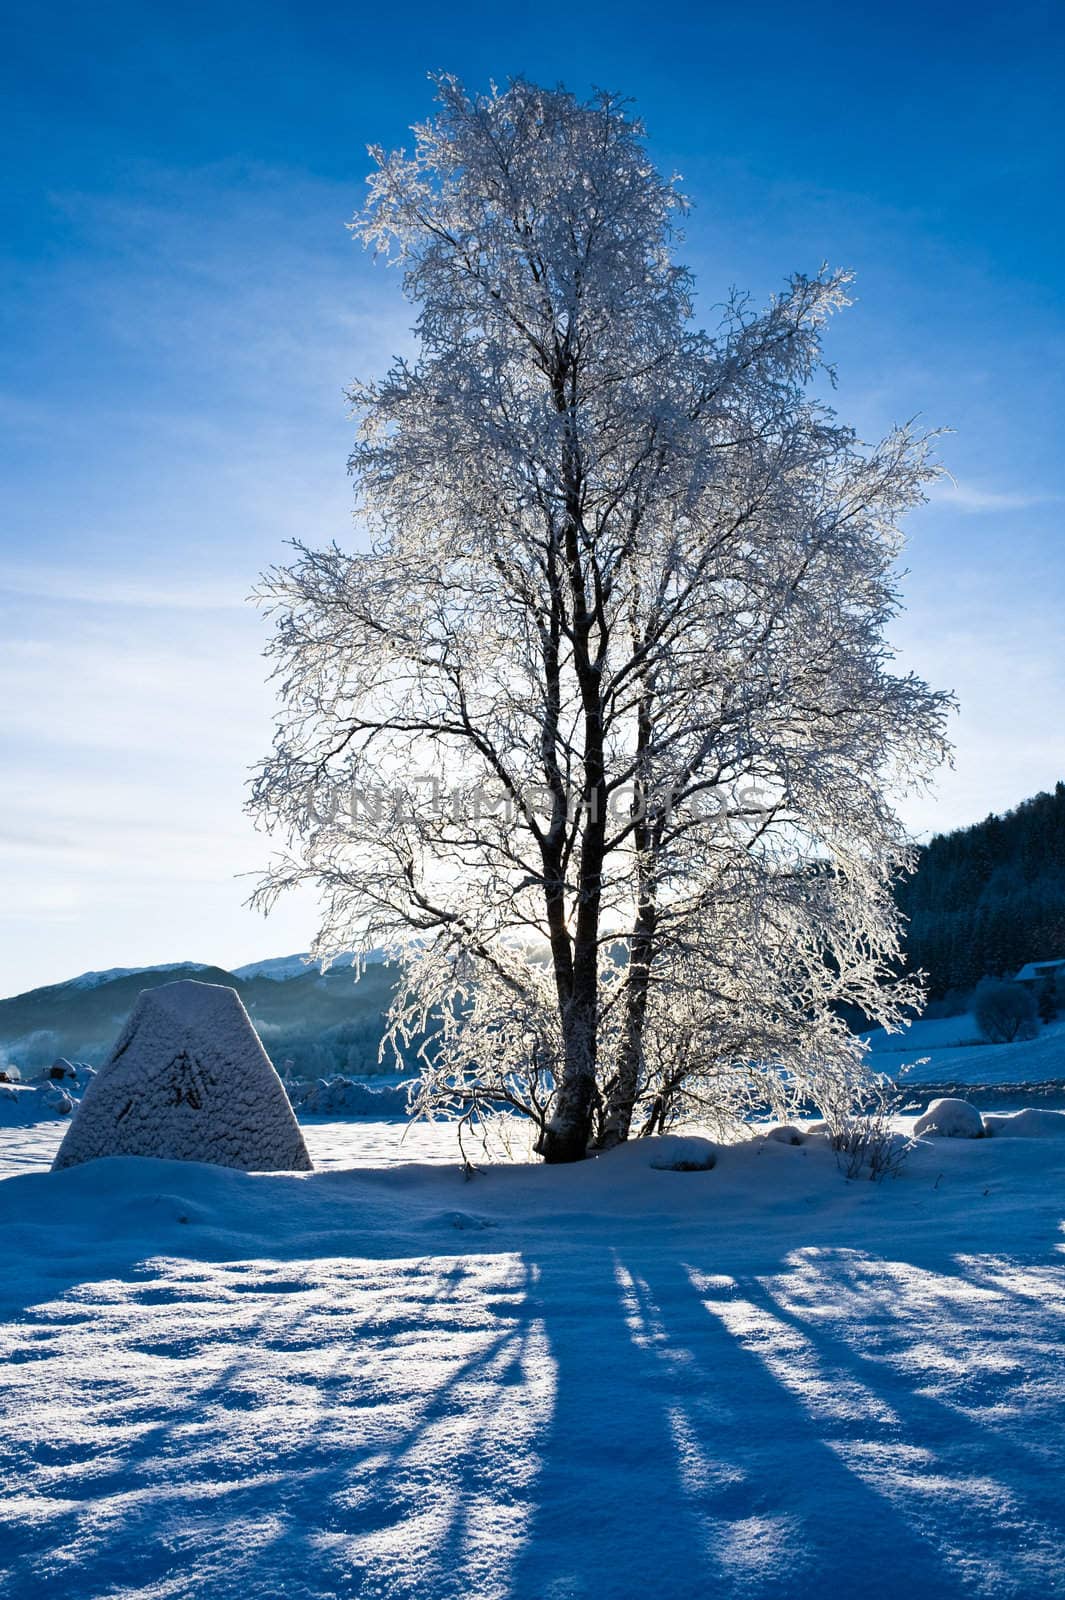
pixel 188 1080
pixel 785 1134
pixel 60 1103
pixel 675 1152
pixel 11 1094
pixel 1032 1123
pixel 950 1119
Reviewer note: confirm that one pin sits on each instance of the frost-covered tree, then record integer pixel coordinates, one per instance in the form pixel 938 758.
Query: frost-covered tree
pixel 599 737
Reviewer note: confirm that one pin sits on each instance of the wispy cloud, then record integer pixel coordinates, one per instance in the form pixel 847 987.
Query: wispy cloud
pixel 150 593
pixel 968 498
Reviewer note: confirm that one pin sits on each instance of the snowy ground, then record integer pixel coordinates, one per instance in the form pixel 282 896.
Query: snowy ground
pixel 342 1143
pixel 594 1383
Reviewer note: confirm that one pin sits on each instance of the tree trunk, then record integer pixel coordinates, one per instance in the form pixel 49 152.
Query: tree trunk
pixel 567 1134
pixel 617 1118
pixel 566 1137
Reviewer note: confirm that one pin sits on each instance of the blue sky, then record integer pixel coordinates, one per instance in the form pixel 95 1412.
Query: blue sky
pixel 183 308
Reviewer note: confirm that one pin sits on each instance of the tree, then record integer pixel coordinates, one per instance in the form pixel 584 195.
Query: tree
pixel 1004 1011
pixel 597 738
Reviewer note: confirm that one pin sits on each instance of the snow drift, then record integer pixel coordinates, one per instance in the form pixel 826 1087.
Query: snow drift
pixel 950 1119
pixel 188 1080
pixel 1031 1123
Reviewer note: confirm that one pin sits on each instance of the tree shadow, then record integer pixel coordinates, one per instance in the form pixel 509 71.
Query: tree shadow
pixel 677 1460
pixel 310 1418
pixel 446 1414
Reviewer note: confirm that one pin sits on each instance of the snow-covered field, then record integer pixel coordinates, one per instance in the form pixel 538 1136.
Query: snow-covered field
pixel 591 1383
pixel 955 1054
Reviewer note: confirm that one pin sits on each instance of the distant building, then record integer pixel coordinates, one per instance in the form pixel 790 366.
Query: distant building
pixel 1036 971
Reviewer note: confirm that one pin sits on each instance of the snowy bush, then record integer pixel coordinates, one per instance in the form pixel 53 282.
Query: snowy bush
pixel 1004 1011
pixel 864 1140
pixel 678 1153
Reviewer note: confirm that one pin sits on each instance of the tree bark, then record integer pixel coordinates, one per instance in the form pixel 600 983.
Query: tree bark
pixel 617 1117
pixel 567 1134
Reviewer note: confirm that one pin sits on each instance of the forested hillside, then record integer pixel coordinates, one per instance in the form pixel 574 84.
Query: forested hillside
pixel 989 898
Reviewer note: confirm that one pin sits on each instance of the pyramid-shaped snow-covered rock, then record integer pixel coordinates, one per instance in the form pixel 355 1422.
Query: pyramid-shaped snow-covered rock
pixel 188 1080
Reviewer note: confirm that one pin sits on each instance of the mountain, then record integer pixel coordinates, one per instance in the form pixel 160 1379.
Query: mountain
pixel 322 1022
pixel 988 899
pixel 92 980
pixel 277 968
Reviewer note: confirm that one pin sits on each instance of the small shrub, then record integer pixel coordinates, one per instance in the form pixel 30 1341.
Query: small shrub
pixel 865 1143
pixel 1004 1011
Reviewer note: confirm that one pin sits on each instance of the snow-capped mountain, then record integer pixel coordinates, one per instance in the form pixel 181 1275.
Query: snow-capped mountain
pixel 276 968
pixel 280 968
pixel 93 980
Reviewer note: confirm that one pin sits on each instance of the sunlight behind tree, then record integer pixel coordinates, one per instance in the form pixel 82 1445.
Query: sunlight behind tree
pixel 617 655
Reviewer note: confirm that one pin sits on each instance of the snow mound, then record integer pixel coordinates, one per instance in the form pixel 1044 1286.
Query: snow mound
pixel 188 1080
pixel 1031 1123
pixel 674 1152
pixel 950 1119
pixel 786 1134
pixel 59 1101
pixel 24 1103
pixel 18 1103
pixel 464 1221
